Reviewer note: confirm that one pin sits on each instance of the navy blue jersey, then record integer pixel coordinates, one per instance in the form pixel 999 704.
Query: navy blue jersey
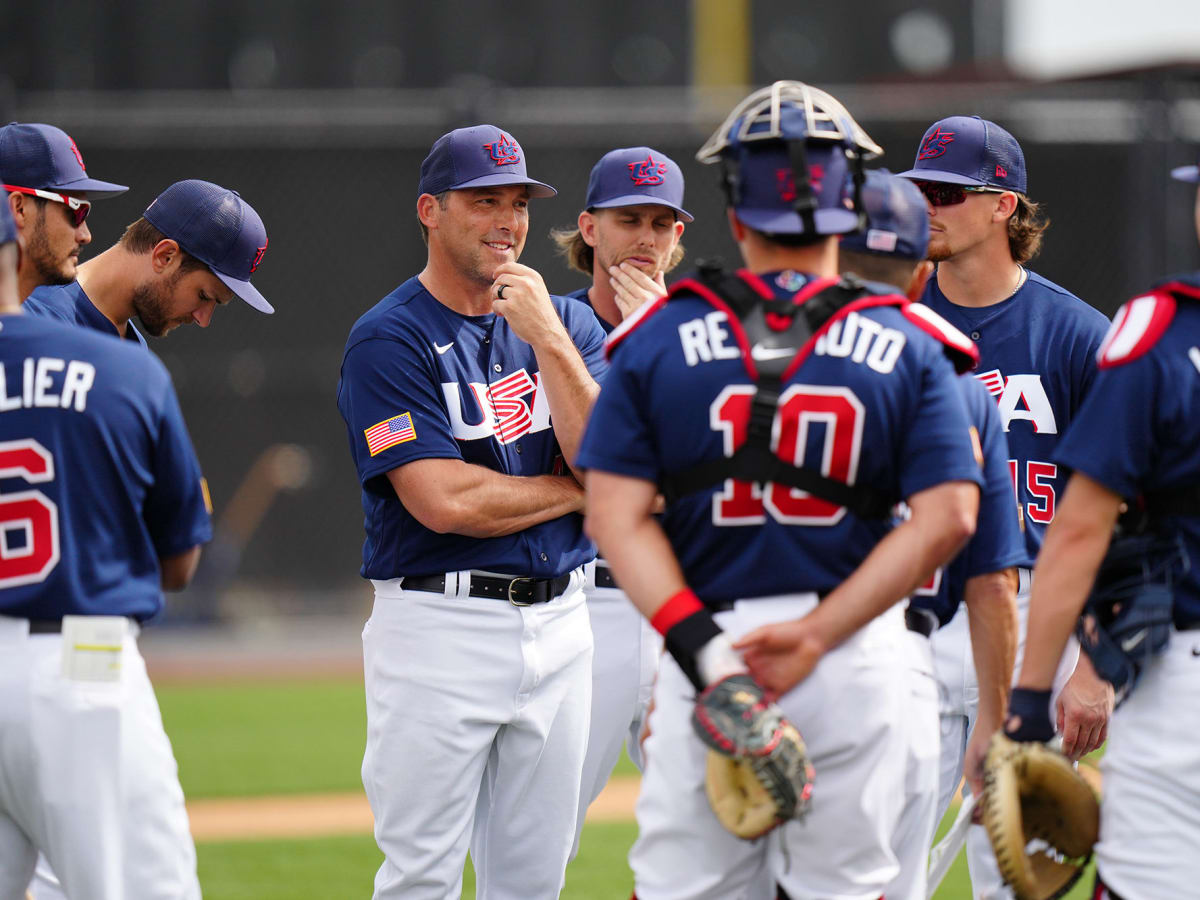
pixel 421 381
pixel 998 542
pixel 68 303
pixel 874 402
pixel 98 478
pixel 1139 429
pixel 1037 356
pixel 582 296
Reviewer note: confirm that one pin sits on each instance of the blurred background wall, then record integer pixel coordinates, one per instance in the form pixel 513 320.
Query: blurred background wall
pixel 320 113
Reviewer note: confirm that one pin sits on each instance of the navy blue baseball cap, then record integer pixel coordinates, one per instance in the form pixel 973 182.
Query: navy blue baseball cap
pixel 45 158
pixel 479 156
pixel 8 228
pixel 971 151
pixel 1186 173
pixel 217 227
pixel 632 176
pixel 897 218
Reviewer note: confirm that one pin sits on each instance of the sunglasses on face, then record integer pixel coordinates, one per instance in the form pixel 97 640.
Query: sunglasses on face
pixel 79 208
pixel 938 193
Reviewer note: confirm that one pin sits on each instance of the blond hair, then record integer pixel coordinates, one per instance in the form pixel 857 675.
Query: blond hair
pixel 581 256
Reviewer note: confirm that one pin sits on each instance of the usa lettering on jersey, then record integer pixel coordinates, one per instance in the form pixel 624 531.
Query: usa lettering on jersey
pixel 1021 398
pixel 40 386
pixel 506 414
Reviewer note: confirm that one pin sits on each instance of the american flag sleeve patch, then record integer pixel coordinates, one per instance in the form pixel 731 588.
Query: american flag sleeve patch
pixel 390 432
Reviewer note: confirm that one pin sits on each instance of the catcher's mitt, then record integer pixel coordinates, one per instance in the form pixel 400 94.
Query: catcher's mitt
pixel 1032 793
pixel 759 775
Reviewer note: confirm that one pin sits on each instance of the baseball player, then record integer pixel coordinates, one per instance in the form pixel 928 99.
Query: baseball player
pixel 745 572
pixel 627 239
pixel 1037 345
pixel 49 195
pixel 150 273
pixel 194 249
pixel 102 505
pixel 464 392
pixel 1134 439
pixel 891 249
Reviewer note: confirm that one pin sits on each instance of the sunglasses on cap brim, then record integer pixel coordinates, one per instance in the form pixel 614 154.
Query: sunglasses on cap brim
pixel 939 193
pixel 78 208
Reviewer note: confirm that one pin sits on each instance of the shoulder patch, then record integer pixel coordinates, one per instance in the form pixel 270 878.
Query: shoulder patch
pixel 629 323
pixel 961 349
pixel 1136 328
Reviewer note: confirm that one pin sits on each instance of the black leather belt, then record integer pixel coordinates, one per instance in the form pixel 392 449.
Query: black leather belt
pixel 604 576
pixel 517 591
pixel 45 626
pixel 922 621
pixel 1189 626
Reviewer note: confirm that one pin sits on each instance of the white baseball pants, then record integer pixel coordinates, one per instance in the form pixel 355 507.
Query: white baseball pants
pixel 477 719
pixel 87 776
pixel 851 712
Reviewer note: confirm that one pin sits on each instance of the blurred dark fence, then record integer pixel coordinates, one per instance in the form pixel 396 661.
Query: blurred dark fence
pixel 334 176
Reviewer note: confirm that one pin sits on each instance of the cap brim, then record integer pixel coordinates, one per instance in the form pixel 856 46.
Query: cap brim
pixel 779 221
pixel 97 190
pixel 536 188
pixel 641 200
pixel 1187 173
pixel 943 177
pixel 246 291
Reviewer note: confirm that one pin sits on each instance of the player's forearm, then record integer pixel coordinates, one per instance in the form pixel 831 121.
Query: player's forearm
pixel 455 497
pixel 620 521
pixel 177 570
pixel 991 601
pixel 1073 548
pixel 570 391
pixel 943 519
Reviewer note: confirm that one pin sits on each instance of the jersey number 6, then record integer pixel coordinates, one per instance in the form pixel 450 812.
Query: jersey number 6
pixel 29 548
pixel 803 407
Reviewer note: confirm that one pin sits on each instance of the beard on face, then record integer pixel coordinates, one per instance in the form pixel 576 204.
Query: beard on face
pixel 40 256
pixel 151 303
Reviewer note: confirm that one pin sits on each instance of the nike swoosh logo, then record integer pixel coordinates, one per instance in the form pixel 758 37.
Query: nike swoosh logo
pixel 762 354
pixel 440 349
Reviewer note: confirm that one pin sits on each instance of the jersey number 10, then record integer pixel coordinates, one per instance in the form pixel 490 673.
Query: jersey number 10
pixel 29 548
pixel 801 407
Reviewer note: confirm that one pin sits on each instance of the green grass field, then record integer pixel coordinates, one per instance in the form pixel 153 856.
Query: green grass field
pixel 256 739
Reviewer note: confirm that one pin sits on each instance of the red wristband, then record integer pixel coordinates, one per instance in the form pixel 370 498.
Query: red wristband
pixel 677 608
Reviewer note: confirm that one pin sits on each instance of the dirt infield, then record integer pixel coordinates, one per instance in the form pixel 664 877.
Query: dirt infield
pixel 323 815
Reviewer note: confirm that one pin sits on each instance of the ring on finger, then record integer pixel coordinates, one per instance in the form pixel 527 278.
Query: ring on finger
pixel 500 291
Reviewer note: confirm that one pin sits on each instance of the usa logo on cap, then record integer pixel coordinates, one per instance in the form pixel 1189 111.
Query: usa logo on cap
pixel 647 171
pixel 935 144
pixel 504 152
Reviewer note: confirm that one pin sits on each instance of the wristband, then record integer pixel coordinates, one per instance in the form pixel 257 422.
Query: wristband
pixel 1029 716
pixel 686 626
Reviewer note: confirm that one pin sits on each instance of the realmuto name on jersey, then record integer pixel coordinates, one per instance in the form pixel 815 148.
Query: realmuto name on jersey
pixel 507 409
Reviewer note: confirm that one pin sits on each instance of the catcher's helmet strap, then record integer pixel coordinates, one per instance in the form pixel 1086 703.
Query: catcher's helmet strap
pixel 805 204
pixel 759 320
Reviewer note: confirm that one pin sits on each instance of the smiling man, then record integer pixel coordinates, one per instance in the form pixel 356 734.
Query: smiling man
pixel 50 195
pixel 194 249
pixel 464 391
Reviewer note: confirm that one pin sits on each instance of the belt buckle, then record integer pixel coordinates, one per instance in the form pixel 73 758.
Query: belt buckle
pixel 513 601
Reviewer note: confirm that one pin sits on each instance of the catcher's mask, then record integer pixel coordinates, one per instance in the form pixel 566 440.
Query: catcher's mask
pixel 786 152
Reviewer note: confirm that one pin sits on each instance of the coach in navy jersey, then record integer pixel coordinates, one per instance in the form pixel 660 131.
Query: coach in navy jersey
pixel 194 249
pixel 625 241
pixel 50 195
pixel 102 508
pixel 1135 439
pixel 464 393
pixel 747 561
pixel 891 248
